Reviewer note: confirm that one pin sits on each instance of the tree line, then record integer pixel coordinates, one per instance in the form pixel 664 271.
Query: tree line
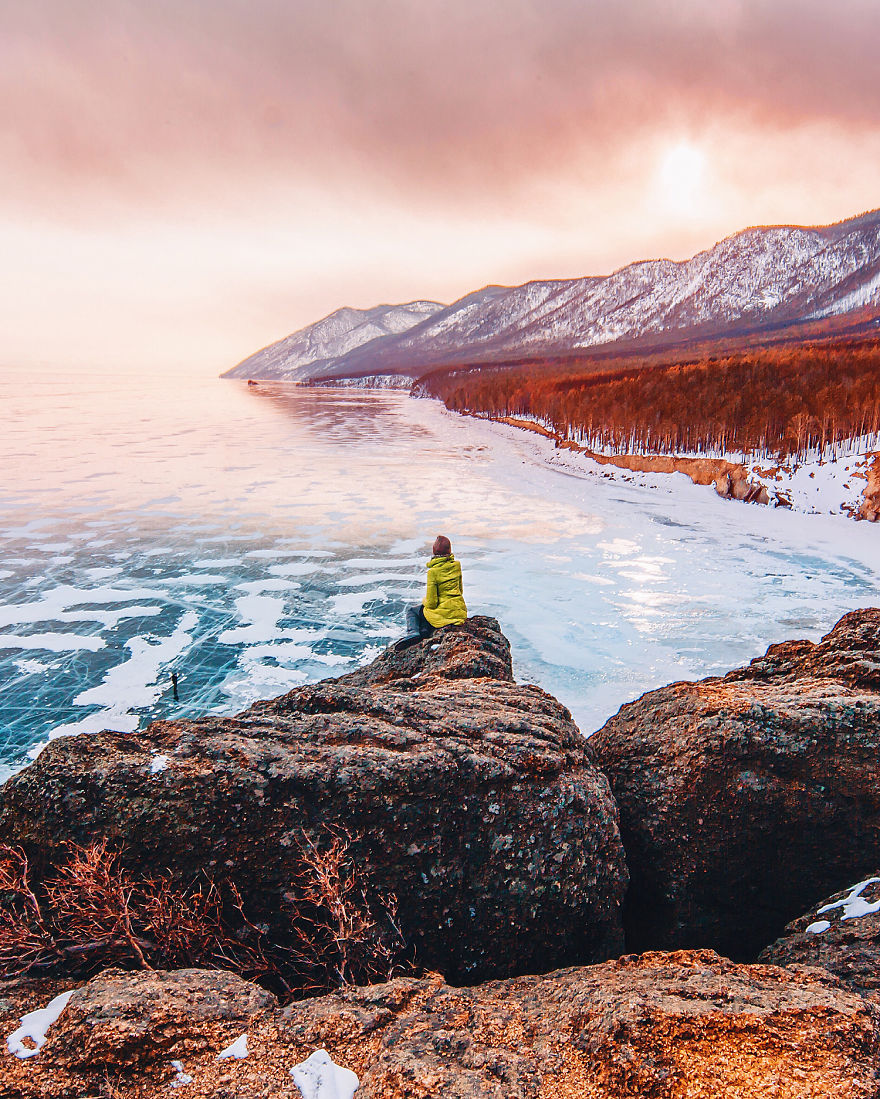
pixel 806 400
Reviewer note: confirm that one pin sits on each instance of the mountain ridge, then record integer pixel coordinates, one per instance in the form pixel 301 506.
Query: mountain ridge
pixel 759 278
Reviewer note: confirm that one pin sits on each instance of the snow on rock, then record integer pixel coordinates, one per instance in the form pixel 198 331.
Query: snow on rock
pixel 830 483
pixel 238 1049
pixel 182 1077
pixel 319 1078
pixel 371 381
pixel 823 484
pixel 818 927
pixel 34 1026
pixel 853 904
pixel 158 764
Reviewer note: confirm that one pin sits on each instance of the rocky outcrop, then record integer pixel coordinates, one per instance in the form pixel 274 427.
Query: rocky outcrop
pixel 133 1019
pixel 840 934
pixel 687 1025
pixel 730 479
pixel 743 798
pixel 870 506
pixel 472 799
pixel 734 484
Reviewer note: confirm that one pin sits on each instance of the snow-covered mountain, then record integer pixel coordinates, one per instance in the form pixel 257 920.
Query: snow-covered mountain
pixel 760 278
pixel 307 352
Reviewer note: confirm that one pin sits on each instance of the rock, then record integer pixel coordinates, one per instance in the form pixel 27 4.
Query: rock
pixel 133 1019
pixel 743 798
pixel 870 505
pixel 840 934
pixel 471 798
pixel 478 650
pixel 733 483
pixel 670 1026
pixel 750 492
pixel 686 1025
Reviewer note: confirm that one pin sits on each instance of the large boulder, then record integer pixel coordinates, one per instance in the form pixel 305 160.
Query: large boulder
pixel 743 798
pixel 472 799
pixel 132 1019
pixel 840 934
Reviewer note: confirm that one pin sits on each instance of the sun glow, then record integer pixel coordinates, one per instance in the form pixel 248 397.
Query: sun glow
pixel 681 177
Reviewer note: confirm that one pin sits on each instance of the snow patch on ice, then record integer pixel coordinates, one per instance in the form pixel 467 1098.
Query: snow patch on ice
pixel 352 603
pixel 197 579
pixel 61 603
pixel 377 578
pixel 32 667
pixel 319 1078
pixel 297 568
pixel 281 551
pixel 255 587
pixel 35 1025
pixel 385 562
pixel 261 613
pixel 131 685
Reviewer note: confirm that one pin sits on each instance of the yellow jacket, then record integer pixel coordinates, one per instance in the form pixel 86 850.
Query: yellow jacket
pixel 444 603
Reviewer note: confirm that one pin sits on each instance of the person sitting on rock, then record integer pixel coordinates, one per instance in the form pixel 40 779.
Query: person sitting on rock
pixel 443 604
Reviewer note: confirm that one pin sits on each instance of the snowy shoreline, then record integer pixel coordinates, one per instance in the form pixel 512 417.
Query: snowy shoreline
pixel 817 485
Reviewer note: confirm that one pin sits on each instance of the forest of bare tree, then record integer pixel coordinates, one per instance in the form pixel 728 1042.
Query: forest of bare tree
pixel 795 400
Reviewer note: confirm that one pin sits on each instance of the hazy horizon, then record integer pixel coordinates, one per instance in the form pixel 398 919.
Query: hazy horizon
pixel 185 183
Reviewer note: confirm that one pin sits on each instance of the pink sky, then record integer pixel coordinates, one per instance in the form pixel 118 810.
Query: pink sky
pixel 184 181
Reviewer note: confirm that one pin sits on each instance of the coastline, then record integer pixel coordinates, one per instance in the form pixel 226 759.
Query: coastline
pixel 755 481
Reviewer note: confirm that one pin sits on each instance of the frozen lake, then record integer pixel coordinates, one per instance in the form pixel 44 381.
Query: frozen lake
pixel 254 539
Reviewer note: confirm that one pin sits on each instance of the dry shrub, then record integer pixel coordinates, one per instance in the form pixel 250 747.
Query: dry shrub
pixel 94 913
pixel 342 936
pixel 25 938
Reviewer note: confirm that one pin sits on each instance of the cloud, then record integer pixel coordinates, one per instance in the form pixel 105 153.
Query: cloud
pixel 461 100
pixel 189 179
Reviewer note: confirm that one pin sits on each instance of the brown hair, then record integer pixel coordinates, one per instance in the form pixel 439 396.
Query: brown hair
pixel 442 546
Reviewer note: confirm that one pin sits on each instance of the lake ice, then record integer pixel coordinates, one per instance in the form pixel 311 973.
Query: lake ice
pixel 250 540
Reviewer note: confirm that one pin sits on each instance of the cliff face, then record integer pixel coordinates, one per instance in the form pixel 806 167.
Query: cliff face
pixel 744 798
pixel 469 798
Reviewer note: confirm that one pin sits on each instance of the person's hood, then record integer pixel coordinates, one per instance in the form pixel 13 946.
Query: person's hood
pixel 441 560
